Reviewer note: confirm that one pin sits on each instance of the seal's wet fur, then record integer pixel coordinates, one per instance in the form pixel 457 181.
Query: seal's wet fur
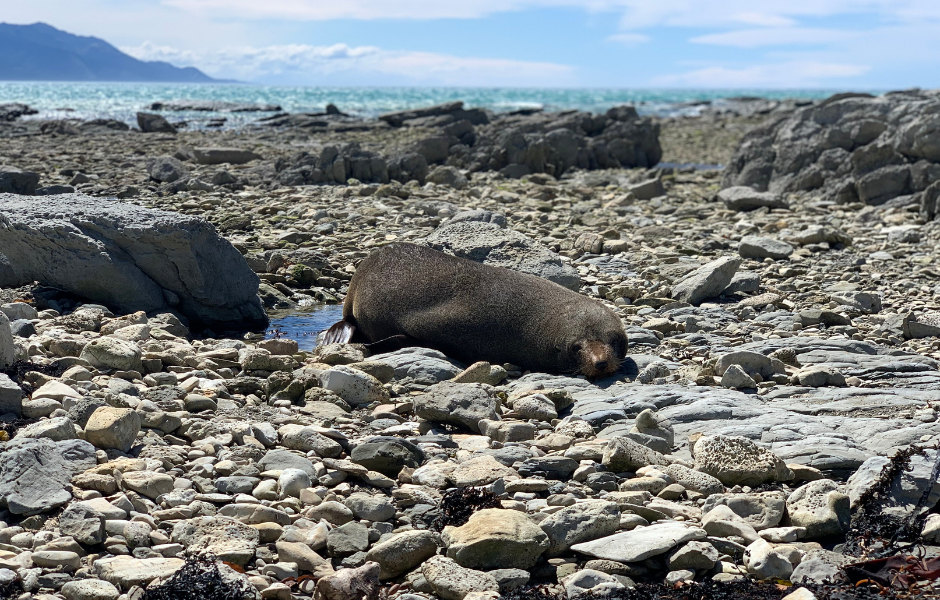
pixel 410 295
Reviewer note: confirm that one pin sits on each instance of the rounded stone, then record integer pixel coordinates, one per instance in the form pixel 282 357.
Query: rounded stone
pixel 90 589
pixel 110 427
pixel 495 538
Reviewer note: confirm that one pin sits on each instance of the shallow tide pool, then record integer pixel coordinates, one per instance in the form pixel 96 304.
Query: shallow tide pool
pixel 303 324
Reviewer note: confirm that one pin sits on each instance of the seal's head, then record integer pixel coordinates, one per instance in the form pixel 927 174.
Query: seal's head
pixel 599 346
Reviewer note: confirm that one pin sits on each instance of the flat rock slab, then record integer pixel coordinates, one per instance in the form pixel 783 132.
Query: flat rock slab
pixel 35 473
pixel 641 543
pixel 126 571
pixel 127 257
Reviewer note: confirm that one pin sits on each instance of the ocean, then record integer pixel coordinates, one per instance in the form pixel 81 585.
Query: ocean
pixel 122 100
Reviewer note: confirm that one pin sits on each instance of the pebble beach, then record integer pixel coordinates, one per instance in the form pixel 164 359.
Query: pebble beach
pixel 774 262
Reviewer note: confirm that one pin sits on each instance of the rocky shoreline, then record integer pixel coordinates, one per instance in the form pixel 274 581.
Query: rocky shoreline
pixel 775 419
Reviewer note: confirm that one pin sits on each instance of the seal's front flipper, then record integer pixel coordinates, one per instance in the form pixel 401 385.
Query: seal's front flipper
pixel 389 344
pixel 339 333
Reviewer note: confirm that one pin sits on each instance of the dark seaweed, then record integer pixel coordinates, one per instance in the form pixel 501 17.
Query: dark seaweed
pixel 457 505
pixel 18 370
pixel 200 579
pixel 873 533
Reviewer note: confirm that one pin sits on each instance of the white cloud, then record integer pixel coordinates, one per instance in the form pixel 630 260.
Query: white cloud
pixel 763 19
pixel 302 64
pixel 781 75
pixel 773 36
pixel 629 39
pixel 637 13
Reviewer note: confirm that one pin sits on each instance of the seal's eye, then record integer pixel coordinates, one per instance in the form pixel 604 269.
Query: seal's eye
pixel 576 348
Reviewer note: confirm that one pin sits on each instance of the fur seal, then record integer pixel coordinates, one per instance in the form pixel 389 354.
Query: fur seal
pixel 417 296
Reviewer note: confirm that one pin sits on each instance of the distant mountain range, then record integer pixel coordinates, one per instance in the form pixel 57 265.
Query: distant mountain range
pixel 40 52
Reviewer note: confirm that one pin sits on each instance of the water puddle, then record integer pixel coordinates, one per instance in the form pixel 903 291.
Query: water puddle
pixel 303 324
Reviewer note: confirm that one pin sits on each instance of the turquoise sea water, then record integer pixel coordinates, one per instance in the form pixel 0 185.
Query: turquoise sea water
pixel 123 100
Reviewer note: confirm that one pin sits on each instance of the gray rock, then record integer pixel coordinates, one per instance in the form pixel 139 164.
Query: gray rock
pixel 421 365
pixel 758 248
pixel 166 169
pixel 821 507
pixel 641 543
pixel 19 310
pixel 764 562
pixel 906 489
pixel 218 156
pixel 496 538
pixel 89 589
pixel 760 511
pixel 484 216
pixel 746 198
pixel 371 508
pixel 83 523
pixel 820 566
pixel 690 479
pixel 22 328
pixel 347 539
pixel 7 349
pixel 464 404
pixel 736 460
pixel 403 552
pixel 594 583
pixel 448 176
pixel 151 123
pixel 280 459
pixel 649 189
pixel 142 259
pixel 56 429
pixel 492 245
pixel 15 181
pixel 387 455
pixel 743 282
pixel 622 454
pixel 35 473
pixel 694 555
pixel 510 579
pixel 11 396
pixel 736 377
pixel 849 148
pixel 450 581
pixel 707 281
pixel 115 428
pixel 865 302
pixel 581 522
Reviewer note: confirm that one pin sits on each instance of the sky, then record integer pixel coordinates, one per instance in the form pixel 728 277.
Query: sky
pixel 766 44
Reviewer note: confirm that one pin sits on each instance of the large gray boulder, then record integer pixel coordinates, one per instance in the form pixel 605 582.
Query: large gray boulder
pixel 849 148
pixel 35 473
pixel 492 245
pixel 128 257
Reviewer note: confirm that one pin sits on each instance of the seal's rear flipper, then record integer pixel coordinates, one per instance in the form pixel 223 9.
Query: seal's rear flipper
pixel 389 344
pixel 339 333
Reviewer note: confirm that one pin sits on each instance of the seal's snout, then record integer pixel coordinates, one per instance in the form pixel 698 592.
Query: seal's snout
pixel 598 359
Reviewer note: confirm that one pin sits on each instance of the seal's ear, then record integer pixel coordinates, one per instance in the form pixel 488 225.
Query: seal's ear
pixel 339 333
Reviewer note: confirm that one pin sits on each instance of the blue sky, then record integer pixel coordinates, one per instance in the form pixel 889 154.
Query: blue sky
pixel 832 44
